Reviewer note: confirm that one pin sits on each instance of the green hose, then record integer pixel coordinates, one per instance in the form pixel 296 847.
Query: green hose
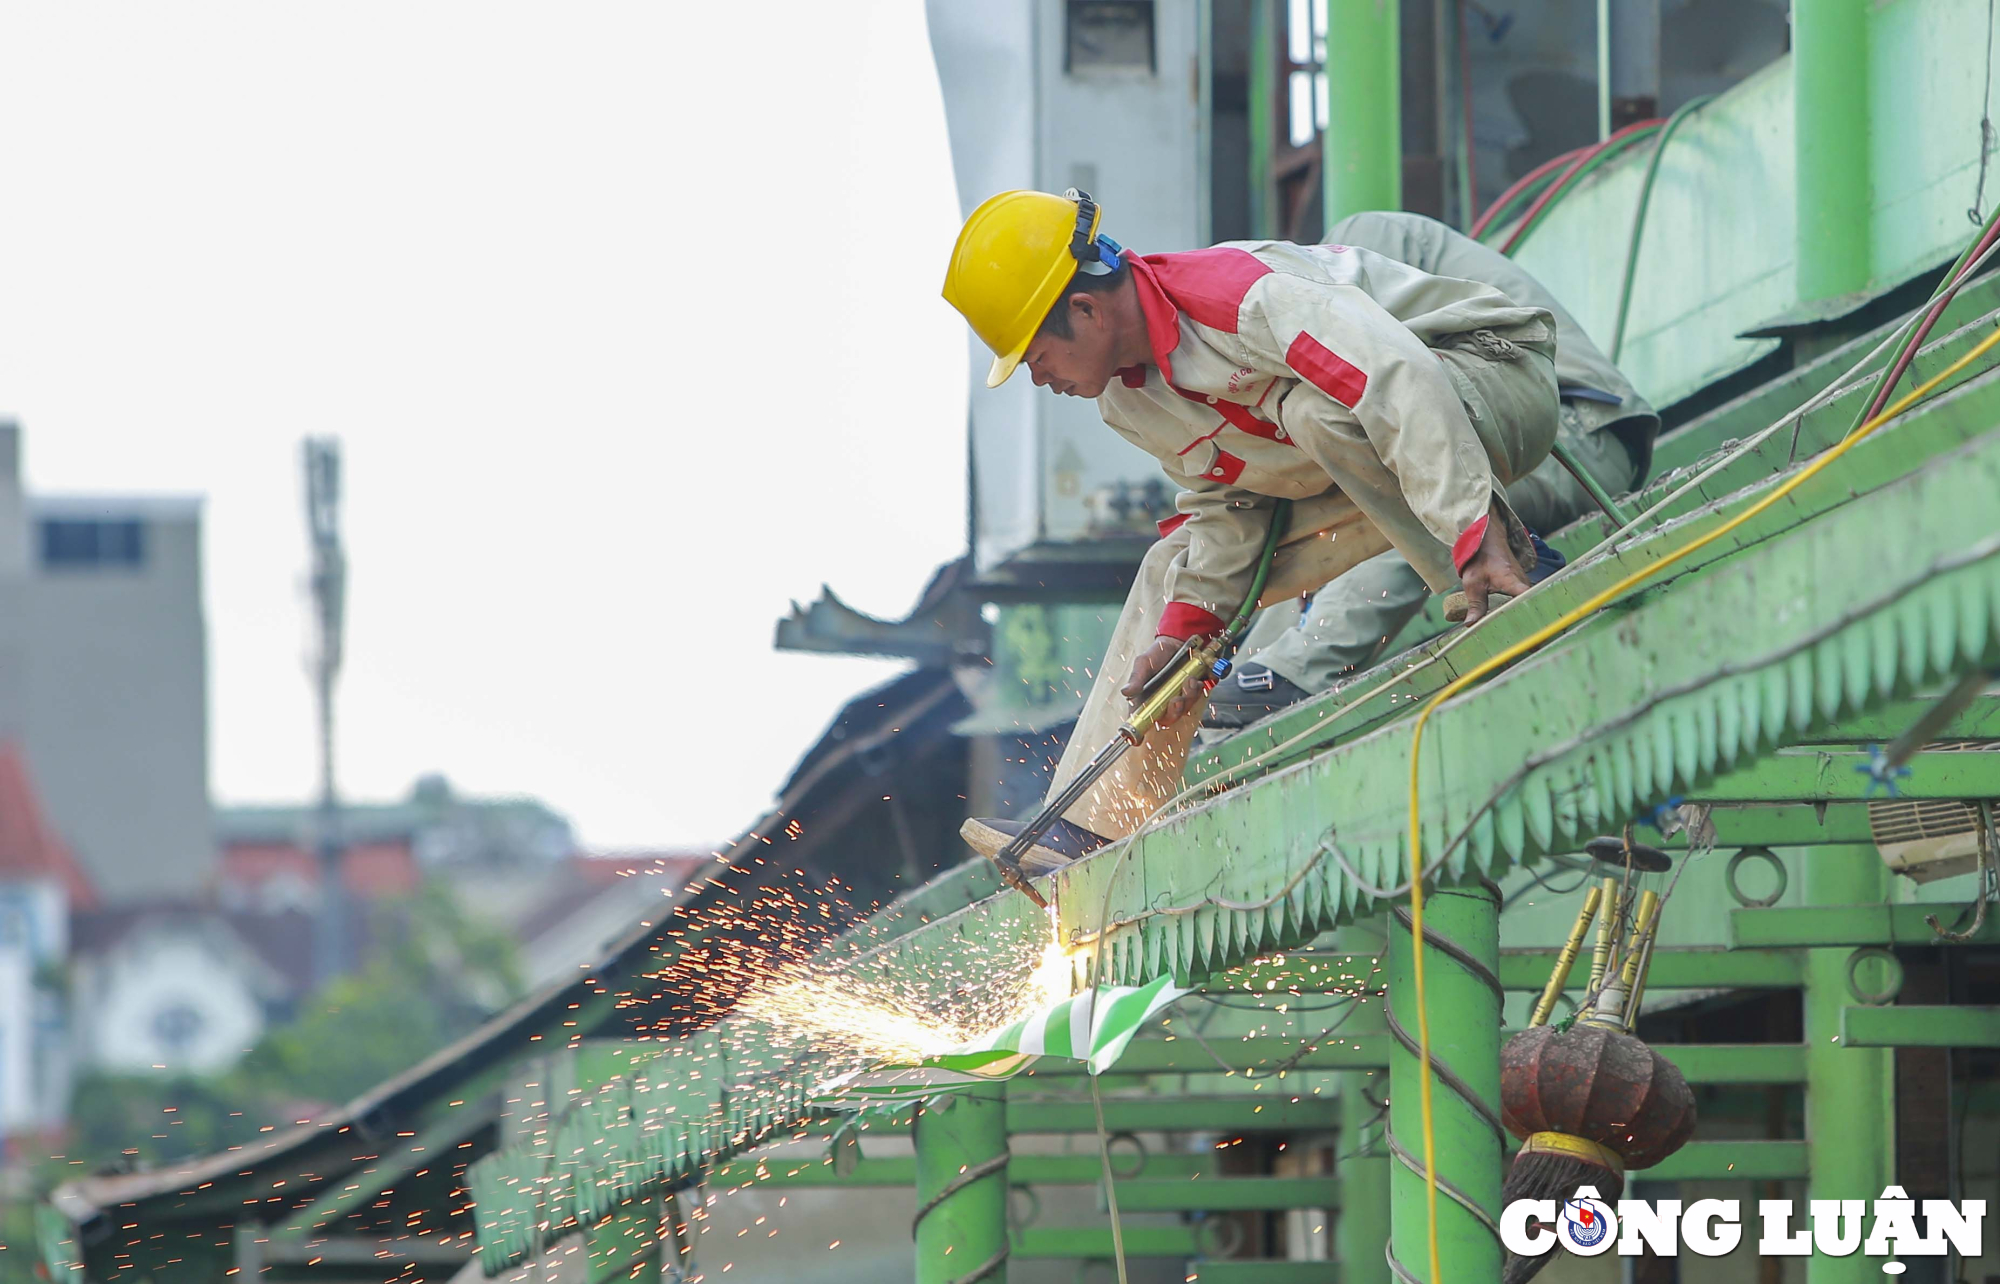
pixel 1519 201
pixel 1639 216
pixel 1280 517
pixel 1610 149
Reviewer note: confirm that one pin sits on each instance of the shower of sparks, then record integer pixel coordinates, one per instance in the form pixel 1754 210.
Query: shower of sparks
pixel 845 1016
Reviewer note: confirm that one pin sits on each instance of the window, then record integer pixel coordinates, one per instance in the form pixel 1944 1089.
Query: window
pixel 1109 35
pixel 1305 31
pixel 76 544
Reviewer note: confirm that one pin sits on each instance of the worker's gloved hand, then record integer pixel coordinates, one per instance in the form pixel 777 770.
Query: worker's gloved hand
pixel 1149 662
pixel 1491 570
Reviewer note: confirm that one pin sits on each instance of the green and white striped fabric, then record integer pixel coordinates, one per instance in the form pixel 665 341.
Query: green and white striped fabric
pixel 1093 1027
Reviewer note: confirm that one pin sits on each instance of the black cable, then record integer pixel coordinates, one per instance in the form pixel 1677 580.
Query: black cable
pixel 1986 134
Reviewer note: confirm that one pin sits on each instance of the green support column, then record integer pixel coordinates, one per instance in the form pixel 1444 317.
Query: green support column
pixel 1364 118
pixel 1362 1225
pixel 1462 928
pixel 962 1168
pixel 1849 1091
pixel 1263 94
pixel 1830 116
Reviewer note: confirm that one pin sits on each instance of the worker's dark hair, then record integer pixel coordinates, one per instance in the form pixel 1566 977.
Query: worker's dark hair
pixel 1056 324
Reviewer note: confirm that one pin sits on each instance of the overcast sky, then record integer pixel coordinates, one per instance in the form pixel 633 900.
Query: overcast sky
pixel 627 314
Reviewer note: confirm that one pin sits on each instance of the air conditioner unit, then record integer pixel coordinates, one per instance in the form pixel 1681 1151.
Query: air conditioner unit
pixel 1935 838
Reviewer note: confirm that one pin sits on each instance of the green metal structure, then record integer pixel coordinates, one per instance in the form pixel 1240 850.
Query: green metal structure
pixel 1754 677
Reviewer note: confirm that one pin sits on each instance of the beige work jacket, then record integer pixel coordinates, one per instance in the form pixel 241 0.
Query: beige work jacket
pixel 1257 344
pixel 1597 390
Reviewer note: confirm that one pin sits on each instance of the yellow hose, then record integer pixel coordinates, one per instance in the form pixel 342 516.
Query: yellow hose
pixel 1532 642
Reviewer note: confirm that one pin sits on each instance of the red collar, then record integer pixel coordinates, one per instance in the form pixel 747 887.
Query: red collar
pixel 1163 323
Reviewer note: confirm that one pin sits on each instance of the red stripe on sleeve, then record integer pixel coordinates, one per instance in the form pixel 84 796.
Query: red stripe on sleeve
pixel 1172 524
pixel 1468 542
pixel 1326 370
pixel 1183 620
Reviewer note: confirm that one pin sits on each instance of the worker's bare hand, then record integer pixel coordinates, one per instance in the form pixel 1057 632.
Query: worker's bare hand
pixel 1149 662
pixel 1491 570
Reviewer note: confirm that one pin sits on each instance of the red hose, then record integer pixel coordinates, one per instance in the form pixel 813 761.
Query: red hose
pixel 1909 353
pixel 1527 219
pixel 1525 181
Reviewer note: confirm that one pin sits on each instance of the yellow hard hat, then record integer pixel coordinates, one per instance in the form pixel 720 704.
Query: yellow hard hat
pixel 1013 258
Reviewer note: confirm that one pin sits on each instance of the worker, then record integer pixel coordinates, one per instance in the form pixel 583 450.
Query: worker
pixel 1606 426
pixel 1391 406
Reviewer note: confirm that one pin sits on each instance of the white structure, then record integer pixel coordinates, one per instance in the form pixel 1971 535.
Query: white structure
pixel 170 988
pixel 1052 94
pixel 103 677
pixel 39 885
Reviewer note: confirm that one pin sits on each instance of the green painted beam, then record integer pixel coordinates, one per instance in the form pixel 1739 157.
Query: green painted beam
pixel 1737 1062
pixel 1831 926
pixel 1265 88
pixel 626 1245
pixel 1675 969
pixel 1311 971
pixel 1777 398
pixel 1092 1243
pixel 1362 145
pixel 1173 1055
pixel 1979 720
pixel 1178 1114
pixel 1022 1170
pixel 1253 1271
pixel 1226 1194
pixel 1920 1027
pixel 370 1183
pixel 1828 776
pixel 962 1198
pixel 1361 1162
pixel 1454 1093
pixel 1850 1092
pixel 1782 825
pixel 1733 1161
pixel 1968 409
pixel 1555 759
pixel 1832 191
pixel 1699 1063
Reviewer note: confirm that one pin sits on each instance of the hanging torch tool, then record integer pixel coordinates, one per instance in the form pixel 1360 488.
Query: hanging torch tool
pixel 1205 661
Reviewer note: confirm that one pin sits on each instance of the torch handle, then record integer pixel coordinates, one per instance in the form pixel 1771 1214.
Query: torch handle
pixel 1194 663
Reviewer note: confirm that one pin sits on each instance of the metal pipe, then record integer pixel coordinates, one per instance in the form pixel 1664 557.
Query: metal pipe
pixel 1363 140
pixel 1559 975
pixel 961 1226
pixel 1830 149
pixel 1462 935
pixel 1603 69
pixel 1849 1091
pixel 1635 61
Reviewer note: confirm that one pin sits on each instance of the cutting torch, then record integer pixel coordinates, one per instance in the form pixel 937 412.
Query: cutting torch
pixel 1199 660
